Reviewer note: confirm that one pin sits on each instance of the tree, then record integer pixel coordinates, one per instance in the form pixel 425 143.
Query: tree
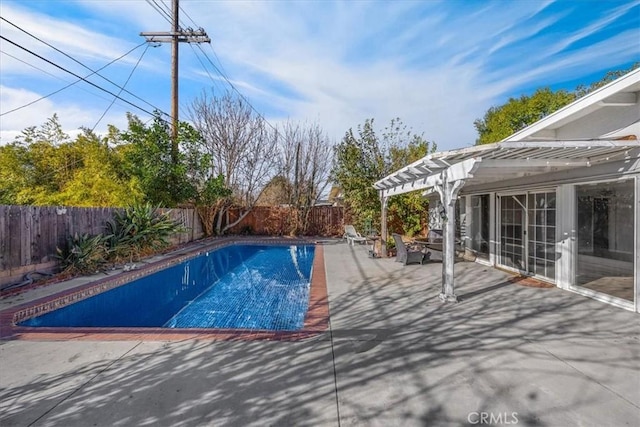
pixel 45 161
pixel 96 181
pixel 146 155
pixel 304 170
pixel 610 76
pixel 361 160
pixel 406 213
pixel 240 148
pixel 210 200
pixel 50 131
pixel 13 178
pixel 44 167
pixel 502 121
pixel 358 163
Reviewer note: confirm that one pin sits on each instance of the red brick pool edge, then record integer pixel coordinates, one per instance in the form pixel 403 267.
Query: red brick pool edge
pixel 316 319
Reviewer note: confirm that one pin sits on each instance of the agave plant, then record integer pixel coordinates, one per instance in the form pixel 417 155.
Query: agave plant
pixel 83 254
pixel 138 230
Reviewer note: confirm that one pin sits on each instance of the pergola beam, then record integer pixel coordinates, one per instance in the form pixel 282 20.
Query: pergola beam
pixel 535 163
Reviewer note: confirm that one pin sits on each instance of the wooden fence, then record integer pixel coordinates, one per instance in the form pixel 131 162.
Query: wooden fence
pixel 277 221
pixel 29 235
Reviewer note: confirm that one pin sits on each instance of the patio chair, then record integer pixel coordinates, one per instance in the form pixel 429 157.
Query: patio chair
pixel 408 255
pixel 352 235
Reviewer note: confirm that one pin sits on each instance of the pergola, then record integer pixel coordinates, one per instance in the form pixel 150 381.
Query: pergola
pixel 601 127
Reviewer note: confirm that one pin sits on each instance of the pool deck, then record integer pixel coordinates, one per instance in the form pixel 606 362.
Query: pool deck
pixel 393 356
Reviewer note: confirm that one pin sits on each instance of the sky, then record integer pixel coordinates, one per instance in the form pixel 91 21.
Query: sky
pixel 437 65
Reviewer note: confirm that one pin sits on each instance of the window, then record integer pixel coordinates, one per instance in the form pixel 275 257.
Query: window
pixel 605 238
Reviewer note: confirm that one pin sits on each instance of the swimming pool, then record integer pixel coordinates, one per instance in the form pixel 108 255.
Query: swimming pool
pixel 256 287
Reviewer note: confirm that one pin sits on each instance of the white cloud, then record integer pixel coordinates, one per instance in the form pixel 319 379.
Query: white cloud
pixel 592 28
pixel 605 54
pixel 72 116
pixel 68 37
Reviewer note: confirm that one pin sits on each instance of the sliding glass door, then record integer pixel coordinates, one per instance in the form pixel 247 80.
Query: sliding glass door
pixel 479 230
pixel 528 233
pixel 513 226
pixel 541 259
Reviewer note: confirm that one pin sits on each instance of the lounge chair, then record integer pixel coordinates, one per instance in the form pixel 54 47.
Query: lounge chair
pixel 408 255
pixel 352 235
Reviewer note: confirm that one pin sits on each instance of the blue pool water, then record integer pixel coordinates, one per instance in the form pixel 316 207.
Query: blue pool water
pixel 238 286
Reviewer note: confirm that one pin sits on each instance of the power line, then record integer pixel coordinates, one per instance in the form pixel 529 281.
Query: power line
pixel 97 95
pixel 223 74
pixel 76 75
pixel 33 66
pixel 123 86
pixel 157 8
pixel 203 65
pixel 222 71
pixel 190 19
pixel 176 36
pixel 166 9
pixel 67 86
pixel 56 77
pixel 236 90
pixel 218 59
pixel 83 65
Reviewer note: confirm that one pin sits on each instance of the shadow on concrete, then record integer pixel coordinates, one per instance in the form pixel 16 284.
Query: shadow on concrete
pixel 399 357
pixel 468 295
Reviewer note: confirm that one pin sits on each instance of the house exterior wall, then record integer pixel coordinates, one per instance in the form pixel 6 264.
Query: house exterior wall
pixel 596 122
pixel 637 244
pixel 564 184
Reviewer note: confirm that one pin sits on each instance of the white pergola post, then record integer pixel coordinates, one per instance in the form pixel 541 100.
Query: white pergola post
pixel 383 224
pixel 448 191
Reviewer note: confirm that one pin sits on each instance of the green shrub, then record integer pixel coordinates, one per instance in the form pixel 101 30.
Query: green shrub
pixel 139 230
pixel 391 243
pixel 83 254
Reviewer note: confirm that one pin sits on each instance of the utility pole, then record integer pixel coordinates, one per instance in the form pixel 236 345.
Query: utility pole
pixel 175 37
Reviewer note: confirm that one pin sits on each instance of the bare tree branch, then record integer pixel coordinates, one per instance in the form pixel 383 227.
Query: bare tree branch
pixel 241 147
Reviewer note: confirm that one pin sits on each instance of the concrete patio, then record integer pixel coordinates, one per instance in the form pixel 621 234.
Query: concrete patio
pixel 394 356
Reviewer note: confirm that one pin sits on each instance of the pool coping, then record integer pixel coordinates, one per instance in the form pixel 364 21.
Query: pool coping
pixel 316 319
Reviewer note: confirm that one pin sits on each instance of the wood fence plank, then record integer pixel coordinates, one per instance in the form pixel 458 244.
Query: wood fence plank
pixel 15 229
pixel 62 229
pixel 35 235
pixel 25 235
pixel 50 231
pixel 4 237
pixel 34 256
